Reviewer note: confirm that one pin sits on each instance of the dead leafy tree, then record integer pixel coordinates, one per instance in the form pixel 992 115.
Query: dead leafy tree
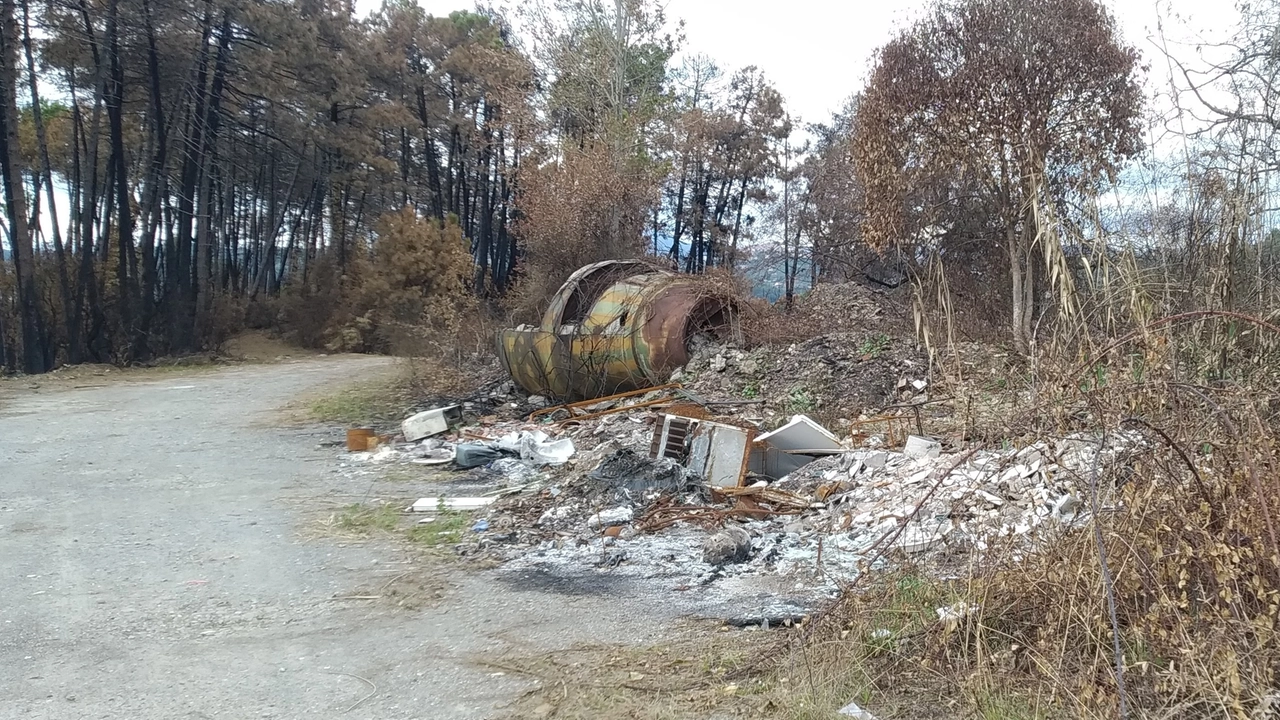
pixel 217 164
pixel 833 198
pixel 987 117
pixel 1216 202
pixel 604 67
pixel 1243 89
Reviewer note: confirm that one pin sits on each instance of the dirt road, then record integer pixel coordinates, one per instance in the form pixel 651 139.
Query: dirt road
pixel 155 562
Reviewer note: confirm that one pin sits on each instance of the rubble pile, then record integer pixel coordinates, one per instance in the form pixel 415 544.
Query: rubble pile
pixel 843 372
pixel 859 361
pixel 937 508
pixel 607 494
pixel 854 306
pixel 956 501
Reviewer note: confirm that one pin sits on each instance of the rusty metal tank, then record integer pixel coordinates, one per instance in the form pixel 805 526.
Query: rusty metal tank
pixel 615 326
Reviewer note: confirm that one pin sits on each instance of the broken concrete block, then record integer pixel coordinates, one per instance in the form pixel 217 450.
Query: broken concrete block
pixel 1012 474
pixel 731 545
pixel 993 499
pixel 918 477
pixel 875 460
pixel 855 711
pixel 923 539
pixel 609 518
pixel 922 448
pixel 1030 454
pixel 718 363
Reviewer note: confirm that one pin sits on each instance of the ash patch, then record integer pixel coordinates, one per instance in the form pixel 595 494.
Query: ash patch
pixel 542 577
pixel 781 577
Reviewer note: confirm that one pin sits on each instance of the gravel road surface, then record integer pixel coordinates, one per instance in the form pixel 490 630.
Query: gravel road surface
pixel 158 559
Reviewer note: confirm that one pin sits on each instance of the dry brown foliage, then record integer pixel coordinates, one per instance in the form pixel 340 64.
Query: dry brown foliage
pixel 407 297
pixel 578 210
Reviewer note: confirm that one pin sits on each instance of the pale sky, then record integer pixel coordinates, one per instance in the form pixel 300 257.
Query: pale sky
pixel 817 52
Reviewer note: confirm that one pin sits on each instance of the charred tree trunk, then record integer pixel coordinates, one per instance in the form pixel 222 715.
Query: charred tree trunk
pixel 126 262
pixel 29 311
pixel 45 177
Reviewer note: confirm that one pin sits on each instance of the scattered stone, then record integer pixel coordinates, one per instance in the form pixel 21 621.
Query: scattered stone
pixel 731 545
pixel 918 539
pixel 875 460
pixel 993 499
pixel 855 711
pixel 922 448
pixel 611 517
pixel 718 363
pixel 613 559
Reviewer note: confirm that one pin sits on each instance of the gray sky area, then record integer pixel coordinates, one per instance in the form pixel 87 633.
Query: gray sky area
pixel 818 52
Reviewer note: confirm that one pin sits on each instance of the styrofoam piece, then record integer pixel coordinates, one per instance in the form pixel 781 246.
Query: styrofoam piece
pixel 431 504
pixel 428 423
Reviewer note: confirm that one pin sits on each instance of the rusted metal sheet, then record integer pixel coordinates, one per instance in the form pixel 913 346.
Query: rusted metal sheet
pixel 573 409
pixel 614 326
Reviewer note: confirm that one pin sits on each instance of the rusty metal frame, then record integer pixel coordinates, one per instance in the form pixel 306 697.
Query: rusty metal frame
pixel 570 407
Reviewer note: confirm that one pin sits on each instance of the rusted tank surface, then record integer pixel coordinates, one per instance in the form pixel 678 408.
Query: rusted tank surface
pixel 615 326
